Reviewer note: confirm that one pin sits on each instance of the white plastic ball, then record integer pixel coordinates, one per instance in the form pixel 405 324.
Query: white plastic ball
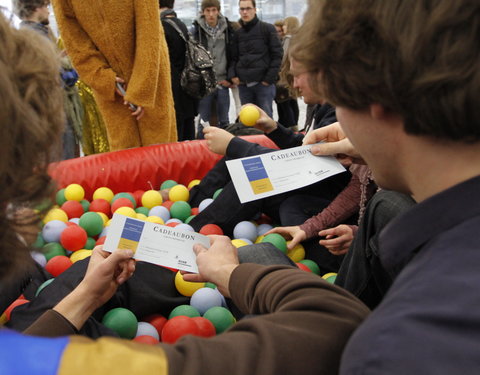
pixel 52 230
pixel 204 204
pixel 160 211
pixel 205 298
pixel 245 229
pixel 147 329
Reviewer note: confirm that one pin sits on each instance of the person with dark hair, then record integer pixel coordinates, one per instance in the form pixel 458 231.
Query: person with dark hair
pixel 256 58
pixel 119 50
pixel 215 32
pixel 185 105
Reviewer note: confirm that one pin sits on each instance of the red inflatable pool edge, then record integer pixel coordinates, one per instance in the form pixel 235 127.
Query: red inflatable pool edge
pixel 141 168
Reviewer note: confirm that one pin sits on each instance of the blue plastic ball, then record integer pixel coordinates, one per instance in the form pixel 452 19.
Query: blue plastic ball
pixel 52 230
pixel 245 229
pixel 204 204
pixel 263 228
pixel 146 329
pixel 161 212
pixel 205 298
pixel 185 227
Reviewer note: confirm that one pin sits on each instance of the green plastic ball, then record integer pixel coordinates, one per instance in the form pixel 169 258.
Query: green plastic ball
pixel 221 318
pixel 122 321
pixel 85 204
pixel 90 244
pixel 39 242
pixel 52 249
pixel 185 310
pixel 60 197
pixel 210 285
pixel 43 285
pixel 142 210
pixel 180 210
pixel 167 184
pixel 124 195
pixel 189 219
pixel 276 240
pixel 217 193
pixel 311 265
pixel 92 223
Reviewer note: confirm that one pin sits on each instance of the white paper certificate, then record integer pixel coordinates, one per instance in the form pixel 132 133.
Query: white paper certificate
pixel 155 243
pixel 261 176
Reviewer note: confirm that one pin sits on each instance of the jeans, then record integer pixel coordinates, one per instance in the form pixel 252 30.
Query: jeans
pixel 222 97
pixel 259 95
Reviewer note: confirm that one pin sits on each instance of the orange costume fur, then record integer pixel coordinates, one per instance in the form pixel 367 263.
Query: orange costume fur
pixel 123 38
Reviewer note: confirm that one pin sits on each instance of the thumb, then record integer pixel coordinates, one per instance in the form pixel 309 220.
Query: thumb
pixel 198 248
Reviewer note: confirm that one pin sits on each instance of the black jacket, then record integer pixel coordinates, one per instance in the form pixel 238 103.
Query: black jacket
pixel 257 53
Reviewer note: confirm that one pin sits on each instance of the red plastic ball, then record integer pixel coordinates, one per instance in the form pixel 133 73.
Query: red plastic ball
pixel 16 303
pixel 303 267
pixel 158 321
pixel 168 204
pixel 121 202
pixel 100 205
pixel 173 224
pixel 73 238
pixel 101 241
pixel 137 194
pixel 211 229
pixel 264 219
pixel 206 327
pixel 195 210
pixel 145 339
pixel 73 209
pixel 177 327
pixel 71 224
pixel 58 264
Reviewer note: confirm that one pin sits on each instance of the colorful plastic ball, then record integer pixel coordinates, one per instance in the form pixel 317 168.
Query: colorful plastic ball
pixel 167 204
pixel 155 219
pixel 156 320
pixel 276 240
pixel 259 239
pixel 195 211
pixel 142 210
pixel 39 258
pixel 101 205
pixel 58 265
pixel 167 184
pixel 73 238
pixel 189 219
pixel 185 310
pixel 85 204
pixel 124 195
pixel 145 339
pixel 74 192
pixel 74 220
pixel 103 193
pixel 263 228
pixel 185 227
pixel 172 224
pixel 249 115
pixel 53 249
pixel 72 209
pixel 60 197
pixel 193 183
pixel 178 327
pixel 105 218
pixel 245 229
pixel 140 216
pixel 90 244
pixel 55 214
pixel 246 240
pixel 186 288
pixel 92 223
pixel 146 329
pixel 297 253
pixel 206 327
pixel 52 230
pixel 210 285
pixel 221 318
pixel 151 198
pixel 204 204
pixel 180 210
pixel 312 265
pixel 205 298
pixel 239 243
pixel 209 229
pixel 43 286
pixel 80 254
pixel 121 202
pixel 18 302
pixel 303 267
pixel 122 321
pixel 101 240
pixel 179 193
pixel 137 194
pixel 330 277
pixel 39 242
pixel 161 212
pixel 217 193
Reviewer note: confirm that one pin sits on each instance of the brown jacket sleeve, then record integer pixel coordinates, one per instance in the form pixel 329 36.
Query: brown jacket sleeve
pixel 304 326
pixel 51 324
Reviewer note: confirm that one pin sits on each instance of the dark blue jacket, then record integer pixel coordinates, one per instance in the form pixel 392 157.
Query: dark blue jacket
pixel 257 53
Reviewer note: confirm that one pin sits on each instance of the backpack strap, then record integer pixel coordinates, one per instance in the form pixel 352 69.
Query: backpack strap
pixel 175 26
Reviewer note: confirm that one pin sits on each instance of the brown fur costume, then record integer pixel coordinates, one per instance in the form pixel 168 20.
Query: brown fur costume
pixel 122 38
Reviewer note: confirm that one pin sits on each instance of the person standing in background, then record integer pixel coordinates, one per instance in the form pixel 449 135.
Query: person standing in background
pixel 122 43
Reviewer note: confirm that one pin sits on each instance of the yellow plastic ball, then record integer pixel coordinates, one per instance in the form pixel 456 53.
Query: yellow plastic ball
pixel 186 288
pixel 193 183
pixel 126 211
pixel 328 275
pixel 239 243
pixel 179 193
pixel 151 198
pixel 80 254
pixel 259 239
pixel 103 193
pixel 141 216
pixel 249 115
pixel 74 192
pixel 155 219
pixel 55 214
pixel 108 223
pixel 104 217
pixel 297 253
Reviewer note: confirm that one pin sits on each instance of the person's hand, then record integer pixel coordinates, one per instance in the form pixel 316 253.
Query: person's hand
pixel 337 240
pixel 138 113
pixel 122 81
pixel 236 81
pixel 294 233
pixel 215 264
pixel 225 83
pixel 264 123
pixel 265 83
pixel 217 139
pixel 335 143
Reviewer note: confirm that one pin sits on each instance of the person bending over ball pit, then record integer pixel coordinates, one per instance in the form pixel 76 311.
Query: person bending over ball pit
pixel 304 317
